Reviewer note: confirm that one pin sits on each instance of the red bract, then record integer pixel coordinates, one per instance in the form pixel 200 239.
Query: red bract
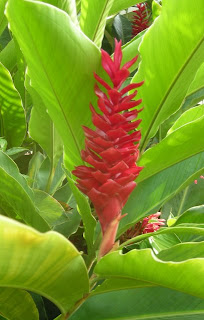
pixel 152 223
pixel 140 19
pixel 110 149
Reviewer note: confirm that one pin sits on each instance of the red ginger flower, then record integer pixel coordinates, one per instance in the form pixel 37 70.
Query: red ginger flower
pixel 152 223
pixel 140 19
pixel 110 149
pixel 149 224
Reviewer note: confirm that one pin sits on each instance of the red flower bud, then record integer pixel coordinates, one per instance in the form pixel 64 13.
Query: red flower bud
pixel 140 19
pixel 111 149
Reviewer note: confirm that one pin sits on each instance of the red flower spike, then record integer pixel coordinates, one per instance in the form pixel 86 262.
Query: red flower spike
pixel 140 19
pixel 111 149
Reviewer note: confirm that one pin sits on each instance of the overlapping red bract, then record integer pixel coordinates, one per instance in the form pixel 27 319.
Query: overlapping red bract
pixel 140 19
pixel 152 223
pixel 110 149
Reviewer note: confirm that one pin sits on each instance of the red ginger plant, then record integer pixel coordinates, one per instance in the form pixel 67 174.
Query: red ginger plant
pixel 110 149
pixel 140 19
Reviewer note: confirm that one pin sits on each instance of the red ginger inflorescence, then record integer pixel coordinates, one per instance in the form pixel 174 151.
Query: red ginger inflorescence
pixel 110 149
pixel 140 19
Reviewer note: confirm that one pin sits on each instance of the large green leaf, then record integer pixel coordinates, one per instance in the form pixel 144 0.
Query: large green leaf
pixel 85 212
pixel 173 149
pixel 16 198
pixel 145 303
pixel 188 116
pixel 185 229
pixel 183 251
pixel 143 265
pixel 47 264
pixel 42 130
pixel 193 215
pixel 93 18
pixel 3 21
pixel 180 23
pixel 12 117
pixel 8 56
pixel 196 90
pixel 16 304
pixel 130 50
pixel 65 84
pixel 152 193
pixel 119 5
pixel 191 196
pixel 68 6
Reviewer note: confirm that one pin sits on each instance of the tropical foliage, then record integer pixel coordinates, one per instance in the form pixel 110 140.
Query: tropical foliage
pixel 148 260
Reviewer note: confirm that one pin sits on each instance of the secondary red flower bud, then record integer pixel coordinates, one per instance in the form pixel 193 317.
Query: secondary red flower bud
pixel 111 149
pixel 140 19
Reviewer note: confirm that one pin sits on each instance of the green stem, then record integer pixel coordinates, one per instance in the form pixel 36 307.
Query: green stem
pixel 50 178
pixel 92 256
pixel 182 201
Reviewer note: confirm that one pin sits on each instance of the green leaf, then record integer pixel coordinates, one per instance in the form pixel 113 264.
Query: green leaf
pixel 49 179
pixel 152 193
pixel 143 265
pixel 165 88
pixel 182 229
pixel 49 264
pixel 190 115
pixel 173 149
pixel 93 18
pixel 65 96
pixel 123 28
pixel 68 223
pixel 156 9
pixel 193 215
pixel 3 21
pixel 16 198
pixel 183 251
pixel 16 304
pixel 42 129
pixel 119 5
pixel 130 50
pixel 85 211
pixel 116 284
pixel 8 56
pixel 49 208
pixel 196 89
pixel 141 303
pixel 191 196
pixel 12 124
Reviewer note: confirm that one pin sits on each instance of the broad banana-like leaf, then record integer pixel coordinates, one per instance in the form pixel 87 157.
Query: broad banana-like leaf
pixel 65 82
pixel 153 192
pixel 119 5
pixel 16 198
pixel 142 303
pixel 167 69
pixel 184 276
pixel 196 90
pixel 173 149
pixel 85 212
pixel 8 56
pixel 189 116
pixel 183 251
pixel 47 264
pixel 43 131
pixel 12 117
pixel 3 21
pixel 17 304
pixel 93 18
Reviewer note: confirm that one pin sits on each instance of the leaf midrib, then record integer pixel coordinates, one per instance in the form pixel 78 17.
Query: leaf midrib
pixel 143 144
